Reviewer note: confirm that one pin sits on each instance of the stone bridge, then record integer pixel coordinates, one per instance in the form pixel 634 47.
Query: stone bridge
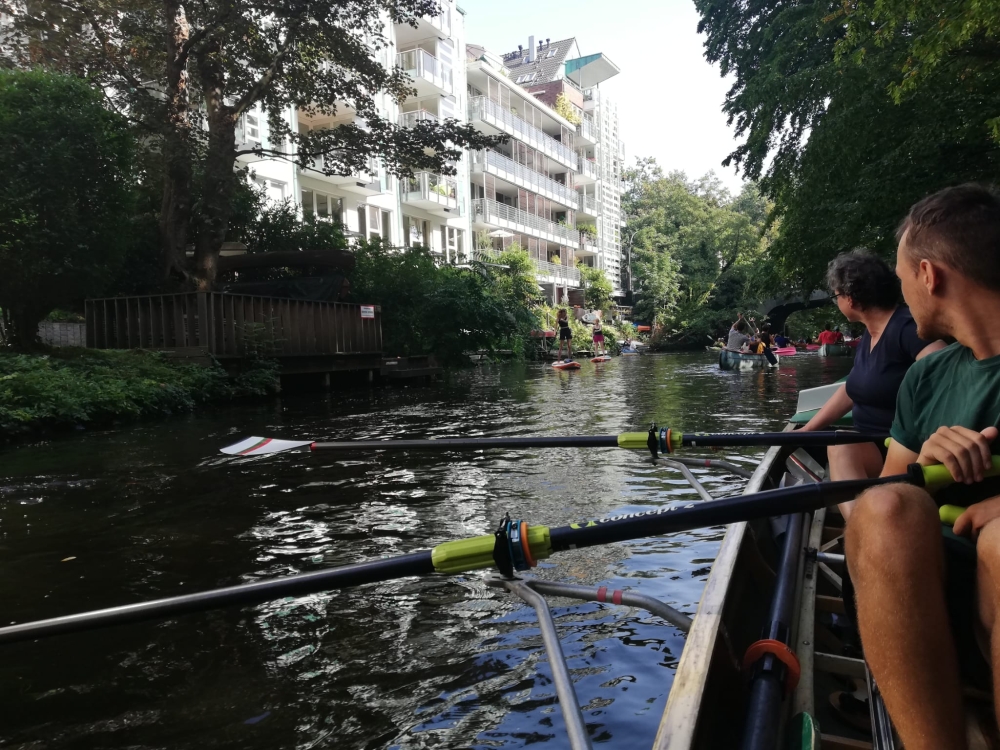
pixel 778 310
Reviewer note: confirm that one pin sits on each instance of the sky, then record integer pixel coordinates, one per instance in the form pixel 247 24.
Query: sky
pixel 669 97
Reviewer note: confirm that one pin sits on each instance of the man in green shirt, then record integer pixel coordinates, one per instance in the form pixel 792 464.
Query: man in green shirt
pixel 925 598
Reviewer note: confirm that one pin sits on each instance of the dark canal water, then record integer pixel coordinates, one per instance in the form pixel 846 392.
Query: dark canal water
pixel 106 518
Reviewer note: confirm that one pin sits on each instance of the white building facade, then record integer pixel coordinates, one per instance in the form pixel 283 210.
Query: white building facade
pixel 554 188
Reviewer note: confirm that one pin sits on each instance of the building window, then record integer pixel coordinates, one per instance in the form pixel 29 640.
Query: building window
pixel 453 243
pixel 274 190
pixel 323 206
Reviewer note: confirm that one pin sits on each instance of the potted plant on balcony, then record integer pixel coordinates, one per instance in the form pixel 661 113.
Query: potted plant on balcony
pixel 442 188
pixel 587 231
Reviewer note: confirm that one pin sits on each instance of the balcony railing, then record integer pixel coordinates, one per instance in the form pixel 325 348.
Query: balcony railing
pixel 421 64
pixel 481 108
pixel 431 187
pixel 571 275
pixel 507 169
pixel 441 22
pixel 589 168
pixel 587 130
pixel 410 119
pixel 369 172
pixel 493 212
pixel 588 205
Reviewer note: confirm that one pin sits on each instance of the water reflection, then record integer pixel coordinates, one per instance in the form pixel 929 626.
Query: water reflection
pixel 152 510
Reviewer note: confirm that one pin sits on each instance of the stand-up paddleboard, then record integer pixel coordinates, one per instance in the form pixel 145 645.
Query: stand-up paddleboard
pixel 566 364
pixel 602 358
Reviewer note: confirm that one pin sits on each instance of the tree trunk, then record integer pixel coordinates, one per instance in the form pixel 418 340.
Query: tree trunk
pixel 175 211
pixel 219 181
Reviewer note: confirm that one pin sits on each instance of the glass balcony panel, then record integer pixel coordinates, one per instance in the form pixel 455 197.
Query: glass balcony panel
pixel 507 169
pixel 481 108
pixel 500 214
pixel 410 119
pixel 421 64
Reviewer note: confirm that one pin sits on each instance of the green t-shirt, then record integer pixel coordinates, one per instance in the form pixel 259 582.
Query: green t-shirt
pixel 946 389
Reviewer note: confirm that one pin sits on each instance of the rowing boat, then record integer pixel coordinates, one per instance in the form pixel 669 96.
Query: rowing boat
pixel 730 360
pixel 835 350
pixel 710 704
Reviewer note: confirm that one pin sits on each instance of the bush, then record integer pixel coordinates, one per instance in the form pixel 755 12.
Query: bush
pixel 445 310
pixel 80 386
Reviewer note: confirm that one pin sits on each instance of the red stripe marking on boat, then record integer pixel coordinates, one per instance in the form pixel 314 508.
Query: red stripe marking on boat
pixel 312 446
pixel 804 468
pixel 252 448
pixel 616 597
pixel 708 463
pixel 602 594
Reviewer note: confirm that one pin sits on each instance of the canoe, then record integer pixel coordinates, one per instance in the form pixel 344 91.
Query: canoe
pixel 730 360
pixel 784 351
pixel 835 350
pixel 812 347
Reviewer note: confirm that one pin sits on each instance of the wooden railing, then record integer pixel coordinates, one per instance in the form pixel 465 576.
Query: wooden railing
pixel 232 325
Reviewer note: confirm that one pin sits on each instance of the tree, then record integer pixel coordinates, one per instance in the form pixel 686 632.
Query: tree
pixel 851 112
pixel 597 290
pixel 65 200
pixel 189 73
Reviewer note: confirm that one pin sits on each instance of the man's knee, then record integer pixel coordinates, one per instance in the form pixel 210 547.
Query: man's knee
pixel 891 512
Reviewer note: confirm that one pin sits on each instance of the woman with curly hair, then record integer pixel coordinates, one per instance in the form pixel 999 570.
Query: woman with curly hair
pixel 866 291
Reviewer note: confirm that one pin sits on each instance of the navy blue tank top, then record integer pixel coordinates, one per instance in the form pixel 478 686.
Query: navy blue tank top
pixel 877 374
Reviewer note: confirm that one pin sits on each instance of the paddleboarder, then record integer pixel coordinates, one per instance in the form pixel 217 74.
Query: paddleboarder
pixel 565 334
pixel 598 339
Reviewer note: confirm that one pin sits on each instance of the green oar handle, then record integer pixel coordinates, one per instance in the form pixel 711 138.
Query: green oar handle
pixel 670 440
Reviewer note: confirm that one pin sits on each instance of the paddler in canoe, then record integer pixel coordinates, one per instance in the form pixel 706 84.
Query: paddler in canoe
pixel 866 291
pixel 927 599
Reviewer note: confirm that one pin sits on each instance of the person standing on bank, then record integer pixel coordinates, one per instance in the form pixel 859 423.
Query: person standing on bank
pixel 866 291
pixel 565 334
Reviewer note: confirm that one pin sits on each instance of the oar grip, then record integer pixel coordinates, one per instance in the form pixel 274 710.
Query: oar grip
pixel 477 552
pixel 938 477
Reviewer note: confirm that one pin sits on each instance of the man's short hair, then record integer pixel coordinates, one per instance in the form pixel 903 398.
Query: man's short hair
pixel 958 226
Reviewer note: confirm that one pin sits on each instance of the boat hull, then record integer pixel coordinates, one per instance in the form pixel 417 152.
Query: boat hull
pixel 730 360
pixel 835 350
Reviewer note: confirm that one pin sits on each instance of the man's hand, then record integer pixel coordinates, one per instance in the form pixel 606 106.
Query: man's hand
pixel 976 517
pixel 964 452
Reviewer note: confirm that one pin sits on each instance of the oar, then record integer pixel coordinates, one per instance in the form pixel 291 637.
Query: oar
pixel 657 440
pixel 508 549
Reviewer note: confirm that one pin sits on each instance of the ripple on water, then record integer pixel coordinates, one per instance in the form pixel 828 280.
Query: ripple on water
pixel 152 510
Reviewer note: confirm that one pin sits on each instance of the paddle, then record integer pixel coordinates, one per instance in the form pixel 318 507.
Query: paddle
pixel 663 440
pixel 506 548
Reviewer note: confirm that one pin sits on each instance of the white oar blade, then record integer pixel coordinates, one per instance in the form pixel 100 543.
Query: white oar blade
pixel 260 446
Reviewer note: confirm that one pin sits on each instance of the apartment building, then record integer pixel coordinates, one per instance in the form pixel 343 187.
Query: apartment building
pixel 426 209
pixel 553 188
pixel 559 75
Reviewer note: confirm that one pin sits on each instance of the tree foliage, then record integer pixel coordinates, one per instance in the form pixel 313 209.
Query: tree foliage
pixel 597 289
pixel 446 310
pixel 698 253
pixel 849 113
pixel 189 73
pixel 65 199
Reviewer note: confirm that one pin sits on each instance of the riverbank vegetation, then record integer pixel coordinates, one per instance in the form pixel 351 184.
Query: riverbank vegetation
pixel 848 113
pixel 699 254
pixel 71 388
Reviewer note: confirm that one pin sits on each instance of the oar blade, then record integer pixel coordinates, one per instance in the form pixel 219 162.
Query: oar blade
pixel 261 446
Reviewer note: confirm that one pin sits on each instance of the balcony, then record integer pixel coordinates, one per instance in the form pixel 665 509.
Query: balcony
pixel 431 192
pixel 410 119
pixel 430 75
pixel 562 274
pixel 483 110
pixel 589 172
pixel 488 212
pixel 587 131
pixel 588 246
pixel 507 169
pixel 588 205
pixel 363 182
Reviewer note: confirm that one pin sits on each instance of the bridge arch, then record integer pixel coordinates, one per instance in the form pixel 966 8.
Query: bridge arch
pixel 778 309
